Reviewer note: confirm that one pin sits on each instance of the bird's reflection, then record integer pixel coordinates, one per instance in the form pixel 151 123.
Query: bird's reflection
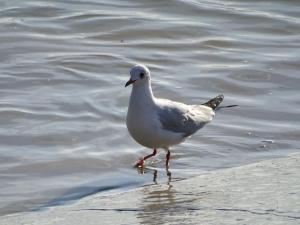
pixel 161 204
pixel 146 170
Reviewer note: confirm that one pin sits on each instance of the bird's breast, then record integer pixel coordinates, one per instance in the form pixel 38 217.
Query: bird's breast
pixel 142 126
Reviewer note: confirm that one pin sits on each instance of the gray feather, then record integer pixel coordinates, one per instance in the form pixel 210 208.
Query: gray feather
pixel 179 120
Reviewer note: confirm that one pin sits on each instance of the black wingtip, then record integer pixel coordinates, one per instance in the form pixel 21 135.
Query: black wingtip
pixel 229 106
pixel 226 106
pixel 215 102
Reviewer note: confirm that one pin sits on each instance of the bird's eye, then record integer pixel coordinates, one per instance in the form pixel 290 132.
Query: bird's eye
pixel 142 75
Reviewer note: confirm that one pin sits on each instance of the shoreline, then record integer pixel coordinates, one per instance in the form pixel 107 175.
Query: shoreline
pixel 259 193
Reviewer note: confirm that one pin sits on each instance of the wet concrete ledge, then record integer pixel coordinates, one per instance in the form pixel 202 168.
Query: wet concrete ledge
pixel 263 193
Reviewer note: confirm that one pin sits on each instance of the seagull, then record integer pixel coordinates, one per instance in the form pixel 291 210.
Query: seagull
pixel 161 123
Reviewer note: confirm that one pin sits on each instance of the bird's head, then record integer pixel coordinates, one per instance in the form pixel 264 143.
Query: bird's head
pixel 138 74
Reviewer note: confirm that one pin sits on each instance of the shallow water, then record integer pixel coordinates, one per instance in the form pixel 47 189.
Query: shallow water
pixel 63 102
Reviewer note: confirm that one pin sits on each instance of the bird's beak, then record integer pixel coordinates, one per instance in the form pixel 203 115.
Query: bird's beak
pixel 129 82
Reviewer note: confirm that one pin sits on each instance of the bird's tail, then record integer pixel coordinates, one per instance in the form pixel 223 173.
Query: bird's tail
pixel 215 102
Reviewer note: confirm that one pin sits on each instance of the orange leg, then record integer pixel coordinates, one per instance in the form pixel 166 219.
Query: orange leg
pixel 141 162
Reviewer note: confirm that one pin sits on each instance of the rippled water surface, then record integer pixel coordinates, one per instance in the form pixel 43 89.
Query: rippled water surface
pixel 63 102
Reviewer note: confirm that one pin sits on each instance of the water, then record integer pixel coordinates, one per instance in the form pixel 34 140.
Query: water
pixel 63 102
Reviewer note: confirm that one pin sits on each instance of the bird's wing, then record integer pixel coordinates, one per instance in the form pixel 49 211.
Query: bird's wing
pixel 181 118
